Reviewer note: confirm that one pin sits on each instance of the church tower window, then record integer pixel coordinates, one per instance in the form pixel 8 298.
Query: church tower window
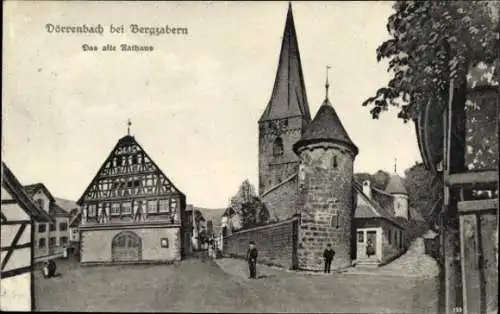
pixel 334 162
pixel 278 147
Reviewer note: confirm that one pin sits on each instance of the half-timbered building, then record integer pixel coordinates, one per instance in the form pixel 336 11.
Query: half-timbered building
pixel 131 211
pixel 18 216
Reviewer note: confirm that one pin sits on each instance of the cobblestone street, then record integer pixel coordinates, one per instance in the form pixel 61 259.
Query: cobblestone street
pixel 208 286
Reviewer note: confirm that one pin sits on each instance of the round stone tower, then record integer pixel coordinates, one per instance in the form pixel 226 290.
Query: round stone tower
pixel 325 190
pixel 397 188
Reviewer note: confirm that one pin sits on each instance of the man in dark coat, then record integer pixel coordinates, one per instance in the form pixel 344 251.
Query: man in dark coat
pixel 252 260
pixel 328 255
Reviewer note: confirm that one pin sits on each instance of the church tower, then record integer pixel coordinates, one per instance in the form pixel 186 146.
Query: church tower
pixel 286 114
pixel 325 189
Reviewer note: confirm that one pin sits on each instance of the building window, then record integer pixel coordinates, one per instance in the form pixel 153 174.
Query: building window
pixel 42 228
pixel 164 242
pixel 134 159
pixel 334 162
pixel 92 209
pixel 278 147
pixel 115 209
pixel 52 227
pixel 389 236
pixel 40 203
pixel 335 220
pixel 164 206
pixel 361 236
pixel 63 240
pixel 173 205
pixel 152 206
pixel 63 226
pixel 52 241
pixel 41 243
pixel 126 208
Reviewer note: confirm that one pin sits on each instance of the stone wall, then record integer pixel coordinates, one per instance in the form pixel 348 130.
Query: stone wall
pixel 274 169
pixel 326 203
pixel 276 243
pixel 96 244
pixel 281 201
pixel 397 245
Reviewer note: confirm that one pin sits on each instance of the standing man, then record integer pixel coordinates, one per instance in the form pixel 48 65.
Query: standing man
pixel 252 260
pixel 328 255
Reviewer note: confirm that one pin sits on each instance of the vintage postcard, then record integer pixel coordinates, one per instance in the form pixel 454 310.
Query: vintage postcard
pixel 240 156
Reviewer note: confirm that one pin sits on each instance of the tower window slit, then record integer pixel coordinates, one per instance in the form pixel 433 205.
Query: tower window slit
pixel 278 147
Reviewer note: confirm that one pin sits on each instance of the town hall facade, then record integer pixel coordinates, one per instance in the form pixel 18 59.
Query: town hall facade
pixel 131 211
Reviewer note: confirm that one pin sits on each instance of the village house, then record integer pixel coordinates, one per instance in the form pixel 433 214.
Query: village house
pixel 51 239
pixel 20 216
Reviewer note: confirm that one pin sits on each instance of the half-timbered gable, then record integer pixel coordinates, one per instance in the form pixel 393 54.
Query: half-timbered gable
pixel 131 211
pixel 130 186
pixel 18 214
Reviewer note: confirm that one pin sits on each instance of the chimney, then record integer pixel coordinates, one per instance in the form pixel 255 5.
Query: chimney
pixel 367 189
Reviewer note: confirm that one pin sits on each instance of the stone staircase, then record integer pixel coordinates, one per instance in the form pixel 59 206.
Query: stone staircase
pixel 367 263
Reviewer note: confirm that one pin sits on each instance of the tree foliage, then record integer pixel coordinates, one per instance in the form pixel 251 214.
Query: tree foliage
pixel 432 42
pixel 250 209
pixel 379 179
pixel 424 189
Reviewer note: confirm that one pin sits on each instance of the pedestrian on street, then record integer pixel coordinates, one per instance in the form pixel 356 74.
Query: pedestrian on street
pixel 252 260
pixel 328 255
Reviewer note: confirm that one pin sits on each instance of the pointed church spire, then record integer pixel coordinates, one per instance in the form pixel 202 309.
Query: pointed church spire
pixel 288 98
pixel 395 165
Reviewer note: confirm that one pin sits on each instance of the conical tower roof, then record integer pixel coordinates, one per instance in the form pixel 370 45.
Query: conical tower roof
pixel 326 127
pixel 288 98
pixel 396 185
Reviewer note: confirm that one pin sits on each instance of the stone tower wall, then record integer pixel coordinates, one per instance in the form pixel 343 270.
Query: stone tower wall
pixel 275 169
pixel 326 201
pixel 401 205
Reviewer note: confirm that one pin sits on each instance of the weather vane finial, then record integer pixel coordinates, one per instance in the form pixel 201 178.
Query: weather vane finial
pixel 327 84
pixel 395 165
pixel 129 123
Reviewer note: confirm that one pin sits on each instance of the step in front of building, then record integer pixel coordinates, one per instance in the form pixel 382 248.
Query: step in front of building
pixel 367 263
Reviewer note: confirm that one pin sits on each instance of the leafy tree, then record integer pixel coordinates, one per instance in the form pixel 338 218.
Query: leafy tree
pixel 432 42
pixel 248 207
pixel 379 179
pixel 424 190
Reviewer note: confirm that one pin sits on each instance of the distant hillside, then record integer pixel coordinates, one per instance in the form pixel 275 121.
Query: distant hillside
pixel 65 204
pixel 214 214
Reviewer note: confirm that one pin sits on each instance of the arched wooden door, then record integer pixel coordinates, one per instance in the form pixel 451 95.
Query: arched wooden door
pixel 126 247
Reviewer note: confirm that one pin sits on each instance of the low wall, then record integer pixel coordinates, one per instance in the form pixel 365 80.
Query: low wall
pixel 276 243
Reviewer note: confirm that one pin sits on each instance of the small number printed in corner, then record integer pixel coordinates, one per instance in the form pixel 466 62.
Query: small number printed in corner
pixel 457 309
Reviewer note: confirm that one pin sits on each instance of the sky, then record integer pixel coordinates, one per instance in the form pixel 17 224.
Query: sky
pixel 194 101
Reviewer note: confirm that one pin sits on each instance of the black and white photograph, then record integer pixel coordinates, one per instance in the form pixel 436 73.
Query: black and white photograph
pixel 250 156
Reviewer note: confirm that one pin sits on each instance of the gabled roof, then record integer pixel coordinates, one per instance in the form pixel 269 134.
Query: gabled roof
pixel 288 98
pixel 12 185
pixel 372 209
pixel 396 185
pixel 126 140
pixel 32 189
pixel 326 127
